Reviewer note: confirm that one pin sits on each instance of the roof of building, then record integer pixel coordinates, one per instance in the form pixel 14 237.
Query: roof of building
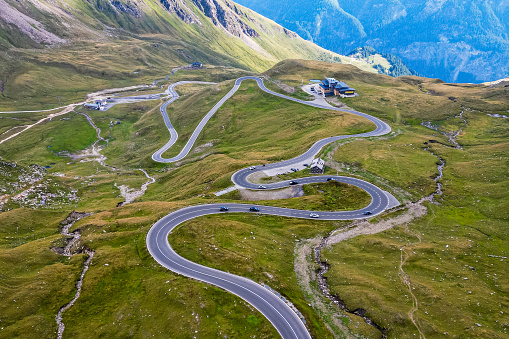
pixel 346 89
pixel 340 85
pixel 318 162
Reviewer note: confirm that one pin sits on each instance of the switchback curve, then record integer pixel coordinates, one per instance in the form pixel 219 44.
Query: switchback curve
pixel 284 319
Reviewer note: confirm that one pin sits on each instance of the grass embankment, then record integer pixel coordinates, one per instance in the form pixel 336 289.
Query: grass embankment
pixel 35 282
pixel 330 196
pixel 454 256
pixel 70 132
pixel 247 245
pixel 124 293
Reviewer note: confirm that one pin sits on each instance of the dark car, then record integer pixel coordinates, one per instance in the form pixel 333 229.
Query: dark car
pixel 294 182
pixel 330 179
pixel 254 209
pixel 367 212
pixel 223 209
pixel 293 169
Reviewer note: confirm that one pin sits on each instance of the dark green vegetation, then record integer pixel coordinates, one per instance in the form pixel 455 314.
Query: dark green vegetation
pixel 385 63
pixel 452 40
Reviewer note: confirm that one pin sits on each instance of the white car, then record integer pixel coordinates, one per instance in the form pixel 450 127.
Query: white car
pixel 262 187
pixel 252 168
pixel 314 215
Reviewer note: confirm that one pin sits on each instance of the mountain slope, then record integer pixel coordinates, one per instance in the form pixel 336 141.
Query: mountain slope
pixel 453 40
pixel 239 35
pixel 51 46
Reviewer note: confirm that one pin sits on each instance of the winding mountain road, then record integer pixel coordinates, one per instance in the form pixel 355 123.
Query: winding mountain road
pixel 284 319
pixel 157 156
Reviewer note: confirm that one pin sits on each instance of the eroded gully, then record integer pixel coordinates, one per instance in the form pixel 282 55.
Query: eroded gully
pixel 417 210
pixel 71 239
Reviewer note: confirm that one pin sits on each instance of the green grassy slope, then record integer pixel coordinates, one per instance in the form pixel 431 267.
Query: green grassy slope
pixel 125 292
pixel 130 287
pixel 454 255
pixel 150 41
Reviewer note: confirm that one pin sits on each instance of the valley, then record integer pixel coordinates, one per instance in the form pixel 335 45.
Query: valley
pixel 159 173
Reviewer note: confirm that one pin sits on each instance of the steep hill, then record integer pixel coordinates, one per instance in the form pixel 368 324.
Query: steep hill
pixel 62 45
pixel 454 40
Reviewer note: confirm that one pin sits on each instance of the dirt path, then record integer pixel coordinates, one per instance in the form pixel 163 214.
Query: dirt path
pixel 405 278
pixel 66 110
pixel 99 94
pixel 364 227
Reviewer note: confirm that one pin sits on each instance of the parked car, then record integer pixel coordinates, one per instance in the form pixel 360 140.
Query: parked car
pixel 314 215
pixel 367 212
pixel 293 182
pixel 293 169
pixel 223 209
pixel 252 168
pixel 262 187
pixel 254 209
pixel 306 165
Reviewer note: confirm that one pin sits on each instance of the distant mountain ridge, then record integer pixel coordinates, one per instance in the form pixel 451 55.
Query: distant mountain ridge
pixel 219 29
pixel 457 41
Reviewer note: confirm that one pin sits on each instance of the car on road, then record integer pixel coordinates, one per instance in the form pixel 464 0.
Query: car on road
pixel 262 187
pixel 252 168
pixel 367 212
pixel 312 89
pixel 314 215
pixel 330 179
pixel 254 209
pixel 293 169
pixel 306 165
pixel 293 182
pixel 223 209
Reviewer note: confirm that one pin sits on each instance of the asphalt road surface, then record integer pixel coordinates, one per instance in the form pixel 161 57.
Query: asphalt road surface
pixel 284 319
pixel 157 156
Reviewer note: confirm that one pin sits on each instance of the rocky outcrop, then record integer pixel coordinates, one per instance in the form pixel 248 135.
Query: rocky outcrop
pixel 178 8
pixel 128 7
pixel 227 17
